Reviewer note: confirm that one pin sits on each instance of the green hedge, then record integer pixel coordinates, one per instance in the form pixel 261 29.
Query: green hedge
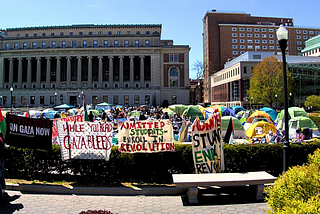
pixel 146 168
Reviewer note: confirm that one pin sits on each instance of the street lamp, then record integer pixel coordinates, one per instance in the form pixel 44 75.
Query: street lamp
pixel 55 98
pixel 79 100
pixel 0 100
pixel 11 90
pixel 282 35
pixel 290 95
pixel 276 100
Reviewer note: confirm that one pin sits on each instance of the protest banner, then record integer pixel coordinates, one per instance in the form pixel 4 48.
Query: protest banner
pixel 145 136
pixel 55 139
pixel 29 133
pixel 85 140
pixel 207 145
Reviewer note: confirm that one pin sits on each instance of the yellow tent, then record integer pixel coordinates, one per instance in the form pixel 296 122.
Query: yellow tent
pixel 260 129
pixel 259 115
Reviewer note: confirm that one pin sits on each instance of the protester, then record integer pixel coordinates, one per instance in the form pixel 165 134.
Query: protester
pixel 2 155
pixel 91 116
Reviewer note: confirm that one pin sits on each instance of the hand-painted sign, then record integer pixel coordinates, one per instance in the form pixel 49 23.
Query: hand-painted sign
pixel 85 140
pixel 29 133
pixel 207 145
pixel 145 136
pixel 55 139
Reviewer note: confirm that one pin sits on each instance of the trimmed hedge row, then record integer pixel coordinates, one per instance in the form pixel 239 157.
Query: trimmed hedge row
pixel 146 168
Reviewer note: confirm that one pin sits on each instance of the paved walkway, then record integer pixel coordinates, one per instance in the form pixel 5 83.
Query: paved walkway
pixel 20 202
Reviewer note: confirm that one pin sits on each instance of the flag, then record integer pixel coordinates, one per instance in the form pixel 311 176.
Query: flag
pixel 3 124
pixel 84 108
pixel 28 113
pixel 1 117
pixel 228 138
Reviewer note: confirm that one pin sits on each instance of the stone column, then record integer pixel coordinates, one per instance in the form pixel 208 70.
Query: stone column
pixel 1 74
pixel 11 73
pixel 121 72
pixel 79 72
pixel 68 71
pixel 142 72
pixel 48 75
pixel 131 72
pixel 20 73
pixel 58 73
pixel 100 76
pixel 29 73
pixel 38 72
pixel 89 71
pixel 110 71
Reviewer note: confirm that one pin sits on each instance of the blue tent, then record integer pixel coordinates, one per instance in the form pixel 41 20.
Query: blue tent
pixel 273 114
pixel 237 108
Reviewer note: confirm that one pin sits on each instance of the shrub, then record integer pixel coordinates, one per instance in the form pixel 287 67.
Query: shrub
pixel 96 212
pixel 298 189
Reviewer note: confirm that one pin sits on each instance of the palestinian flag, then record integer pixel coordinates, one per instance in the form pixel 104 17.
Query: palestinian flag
pixel 2 124
pixel 228 138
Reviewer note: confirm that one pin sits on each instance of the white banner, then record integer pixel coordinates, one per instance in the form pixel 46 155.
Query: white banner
pixel 145 136
pixel 207 145
pixel 85 140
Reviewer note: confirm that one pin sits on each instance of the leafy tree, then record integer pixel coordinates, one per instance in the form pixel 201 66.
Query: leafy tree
pixel 267 81
pixel 313 101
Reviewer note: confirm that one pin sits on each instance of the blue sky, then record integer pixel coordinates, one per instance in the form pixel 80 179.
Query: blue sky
pixel 181 19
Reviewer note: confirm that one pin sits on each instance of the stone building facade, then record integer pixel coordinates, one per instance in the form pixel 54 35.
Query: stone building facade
pixel 118 64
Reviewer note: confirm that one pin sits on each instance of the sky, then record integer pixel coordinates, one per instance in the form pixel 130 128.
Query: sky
pixel 181 19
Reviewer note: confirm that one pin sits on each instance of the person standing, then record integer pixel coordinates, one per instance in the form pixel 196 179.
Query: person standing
pixel 2 179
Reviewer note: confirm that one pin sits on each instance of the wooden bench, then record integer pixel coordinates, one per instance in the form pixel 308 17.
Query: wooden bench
pixel 193 181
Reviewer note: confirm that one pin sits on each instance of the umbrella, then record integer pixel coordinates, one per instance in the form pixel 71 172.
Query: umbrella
pixel 193 112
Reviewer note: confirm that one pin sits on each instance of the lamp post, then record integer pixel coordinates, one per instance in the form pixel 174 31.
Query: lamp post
pixel 276 101
pixel 79 100
pixel 290 95
pixel 282 35
pixel 0 100
pixel 55 98
pixel 11 90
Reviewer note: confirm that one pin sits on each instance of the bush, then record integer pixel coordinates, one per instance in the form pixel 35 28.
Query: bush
pixel 96 212
pixel 297 190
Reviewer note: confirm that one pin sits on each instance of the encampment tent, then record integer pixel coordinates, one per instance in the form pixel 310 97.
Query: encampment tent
pixel 272 113
pixel 260 129
pixel 193 112
pixel 237 126
pixel 293 112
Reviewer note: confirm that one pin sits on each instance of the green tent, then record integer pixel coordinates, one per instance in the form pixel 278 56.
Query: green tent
pixel 192 112
pixel 178 108
pixel 302 122
pixel 225 122
pixel 134 113
pixel 293 112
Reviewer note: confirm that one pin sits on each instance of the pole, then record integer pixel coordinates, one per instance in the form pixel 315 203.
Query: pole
pixel 283 46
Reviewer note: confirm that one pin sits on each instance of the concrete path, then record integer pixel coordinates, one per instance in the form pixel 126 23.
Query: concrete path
pixel 24 202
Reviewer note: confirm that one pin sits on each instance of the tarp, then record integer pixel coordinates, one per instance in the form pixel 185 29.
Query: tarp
pixel 272 113
pixel 64 106
pixel 260 129
pixel 178 108
pixel 193 112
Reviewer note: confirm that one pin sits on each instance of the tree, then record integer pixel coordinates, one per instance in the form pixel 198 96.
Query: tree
pixel 313 101
pixel 267 81
pixel 198 67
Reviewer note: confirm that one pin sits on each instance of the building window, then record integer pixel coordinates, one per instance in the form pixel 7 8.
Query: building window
pixel 52 34
pixel 136 99
pixel 147 43
pixel 256 47
pixel 242 46
pixel 305 37
pixel 242 52
pixel 35 34
pixel 95 43
pixel 80 33
pixel 270 30
pixel 128 32
pixel 100 33
pixel 119 32
pixel 147 32
pixel 264 41
pixel 271 36
pixel 138 32
pixel 90 33
pixel 26 35
pixel 115 100
pixel 41 100
pixel 105 98
pixel 176 58
pixel 310 32
pixel 249 35
pixel 7 46
pixel 70 33
pixel 32 100
pixel 43 45
pixel 234 46
pixel 84 43
pixel 63 44
pixel 53 44
pixel 298 37
pixel 126 43
pixel 126 99
pixel 298 42
pixel 271 41
pixel 115 43
pixel 256 30
pixel 264 47
pixel 271 47
pixel 147 99
pixel 264 30
pixel 245 69
pixel 257 41
pixel 43 34
pixel 256 35
pixel 241 29
pixel 16 46
pixel 174 77
pixel 249 29
pixel 137 43
pixel 242 41
pixel 305 32
pixel 61 33
pixel 234 29
pixel 298 31
pixel 234 35
pixel 234 40
pixel 234 52
pixel 24 45
pixel 105 43
pixel 74 44
pixel 264 35
pixel 109 33
pixel 174 99
pixel 34 45
pixel 249 40
pixel 241 35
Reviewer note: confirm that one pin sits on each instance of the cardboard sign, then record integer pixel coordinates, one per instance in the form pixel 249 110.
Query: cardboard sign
pixel 29 133
pixel 207 145
pixel 145 136
pixel 55 139
pixel 85 140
